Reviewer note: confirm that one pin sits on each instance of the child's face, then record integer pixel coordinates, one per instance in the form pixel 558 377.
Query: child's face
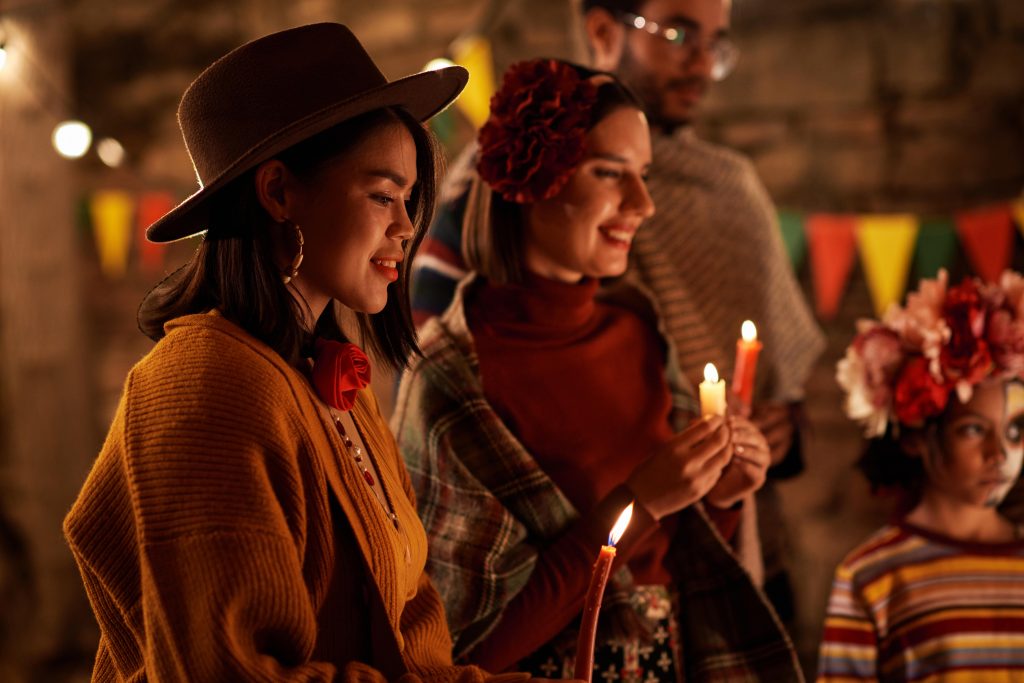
pixel 982 445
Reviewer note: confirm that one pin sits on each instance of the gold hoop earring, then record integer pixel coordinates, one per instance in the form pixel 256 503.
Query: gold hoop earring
pixel 293 270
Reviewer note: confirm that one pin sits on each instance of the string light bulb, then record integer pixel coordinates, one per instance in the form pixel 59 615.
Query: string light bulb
pixel 439 63
pixel 72 139
pixel 3 47
pixel 110 152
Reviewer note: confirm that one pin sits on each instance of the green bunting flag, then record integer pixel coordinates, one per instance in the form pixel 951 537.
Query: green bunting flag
pixel 936 247
pixel 793 236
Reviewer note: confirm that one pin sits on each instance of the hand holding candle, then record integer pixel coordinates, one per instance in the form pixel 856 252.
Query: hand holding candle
pixel 712 392
pixel 747 350
pixel 592 605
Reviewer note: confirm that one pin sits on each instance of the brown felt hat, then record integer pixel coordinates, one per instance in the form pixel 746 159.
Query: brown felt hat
pixel 274 92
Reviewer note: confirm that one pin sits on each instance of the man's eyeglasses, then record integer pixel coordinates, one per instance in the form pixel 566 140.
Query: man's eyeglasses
pixel 724 53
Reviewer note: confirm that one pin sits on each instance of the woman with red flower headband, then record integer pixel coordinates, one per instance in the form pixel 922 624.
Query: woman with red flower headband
pixel 938 594
pixel 541 408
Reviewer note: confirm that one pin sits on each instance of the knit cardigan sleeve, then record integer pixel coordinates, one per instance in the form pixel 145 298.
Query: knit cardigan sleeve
pixel 428 645
pixel 211 455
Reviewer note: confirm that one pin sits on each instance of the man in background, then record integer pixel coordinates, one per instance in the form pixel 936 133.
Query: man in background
pixel 712 256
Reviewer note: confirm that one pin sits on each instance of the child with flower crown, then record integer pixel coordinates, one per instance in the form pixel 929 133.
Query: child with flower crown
pixel 938 594
pixel 541 408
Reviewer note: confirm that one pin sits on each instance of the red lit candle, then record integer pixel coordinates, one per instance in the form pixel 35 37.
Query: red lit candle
pixel 747 349
pixel 592 605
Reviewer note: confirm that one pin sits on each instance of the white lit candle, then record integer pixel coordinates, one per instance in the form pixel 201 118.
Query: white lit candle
pixel 712 392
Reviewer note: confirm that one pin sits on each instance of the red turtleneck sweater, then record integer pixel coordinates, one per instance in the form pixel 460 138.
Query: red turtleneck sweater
pixel 581 383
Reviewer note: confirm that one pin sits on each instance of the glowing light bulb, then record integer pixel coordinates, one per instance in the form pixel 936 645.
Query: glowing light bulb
pixel 3 55
pixel 748 331
pixel 72 139
pixel 439 63
pixel 110 152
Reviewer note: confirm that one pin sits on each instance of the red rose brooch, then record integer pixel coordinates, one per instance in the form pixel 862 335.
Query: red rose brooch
pixel 339 372
pixel 535 135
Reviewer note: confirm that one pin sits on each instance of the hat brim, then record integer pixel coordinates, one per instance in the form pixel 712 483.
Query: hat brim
pixel 423 95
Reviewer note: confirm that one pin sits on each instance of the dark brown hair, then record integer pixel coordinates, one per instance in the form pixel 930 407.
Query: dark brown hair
pixel 492 228
pixel 233 270
pixel 613 6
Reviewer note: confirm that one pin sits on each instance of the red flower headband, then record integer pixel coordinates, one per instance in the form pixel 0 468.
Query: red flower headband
pixel 905 367
pixel 534 137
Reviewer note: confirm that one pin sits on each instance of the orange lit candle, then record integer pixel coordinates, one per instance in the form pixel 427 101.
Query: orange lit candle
pixel 712 392
pixel 592 605
pixel 747 349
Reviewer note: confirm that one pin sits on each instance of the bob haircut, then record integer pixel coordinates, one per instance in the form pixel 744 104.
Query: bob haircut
pixel 234 271
pixel 492 227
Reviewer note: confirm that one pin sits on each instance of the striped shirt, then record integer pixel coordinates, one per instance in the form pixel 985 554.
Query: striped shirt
pixel 912 605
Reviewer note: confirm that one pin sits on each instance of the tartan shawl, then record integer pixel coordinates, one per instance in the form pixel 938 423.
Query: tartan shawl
pixel 488 506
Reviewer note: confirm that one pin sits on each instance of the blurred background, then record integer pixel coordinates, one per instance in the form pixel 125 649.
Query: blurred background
pixel 890 133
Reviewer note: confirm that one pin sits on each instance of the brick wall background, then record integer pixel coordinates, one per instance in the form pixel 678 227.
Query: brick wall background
pixel 844 105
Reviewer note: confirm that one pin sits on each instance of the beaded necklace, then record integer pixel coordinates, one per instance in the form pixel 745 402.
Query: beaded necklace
pixel 359 456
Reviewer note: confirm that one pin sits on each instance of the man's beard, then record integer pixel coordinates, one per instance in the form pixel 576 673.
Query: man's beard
pixel 650 92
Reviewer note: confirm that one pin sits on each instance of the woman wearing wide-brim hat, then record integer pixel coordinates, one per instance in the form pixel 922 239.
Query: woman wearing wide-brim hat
pixel 248 517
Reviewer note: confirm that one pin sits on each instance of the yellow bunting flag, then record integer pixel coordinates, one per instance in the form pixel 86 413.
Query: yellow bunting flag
pixel 1017 206
pixel 111 213
pixel 474 53
pixel 886 245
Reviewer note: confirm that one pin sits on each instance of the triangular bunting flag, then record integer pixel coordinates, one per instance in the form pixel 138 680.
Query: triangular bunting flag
pixel 443 126
pixel 987 236
pixel 886 246
pixel 152 205
pixel 831 242
pixel 936 247
pixel 791 225
pixel 474 53
pixel 1018 213
pixel 111 213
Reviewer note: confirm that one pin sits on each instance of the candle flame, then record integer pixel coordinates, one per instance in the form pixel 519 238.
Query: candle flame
pixel 620 525
pixel 710 373
pixel 748 331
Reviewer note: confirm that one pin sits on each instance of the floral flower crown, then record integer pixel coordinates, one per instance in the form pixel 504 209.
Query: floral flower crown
pixel 905 367
pixel 535 135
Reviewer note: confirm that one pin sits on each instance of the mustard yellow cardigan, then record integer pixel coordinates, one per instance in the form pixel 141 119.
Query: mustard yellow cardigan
pixel 222 532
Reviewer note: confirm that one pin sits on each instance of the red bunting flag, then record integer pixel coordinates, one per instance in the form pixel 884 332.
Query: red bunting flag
pixel 987 237
pixel 832 243
pixel 152 206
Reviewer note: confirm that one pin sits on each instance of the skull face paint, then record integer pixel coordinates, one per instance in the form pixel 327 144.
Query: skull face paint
pixel 980 447
pixel 1012 444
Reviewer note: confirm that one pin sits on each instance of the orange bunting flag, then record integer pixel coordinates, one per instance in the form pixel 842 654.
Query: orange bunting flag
pixel 111 214
pixel 886 245
pixel 152 206
pixel 987 237
pixel 832 242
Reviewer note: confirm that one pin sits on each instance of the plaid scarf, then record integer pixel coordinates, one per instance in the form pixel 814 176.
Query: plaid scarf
pixel 487 506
